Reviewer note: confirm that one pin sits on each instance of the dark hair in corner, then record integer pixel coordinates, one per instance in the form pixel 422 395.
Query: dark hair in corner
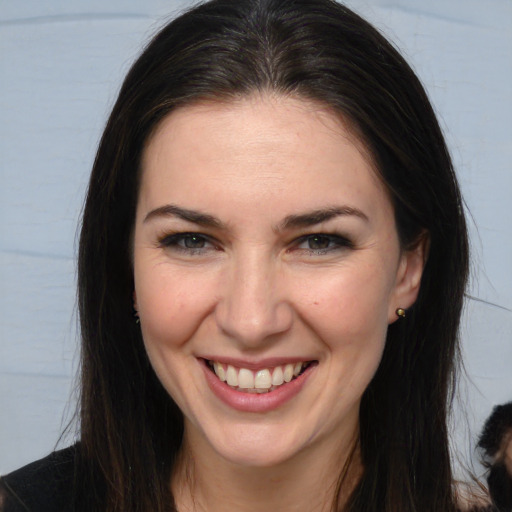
pixel 131 430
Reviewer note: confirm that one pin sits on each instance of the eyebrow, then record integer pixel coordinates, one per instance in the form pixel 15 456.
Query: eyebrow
pixel 318 216
pixel 291 221
pixel 171 210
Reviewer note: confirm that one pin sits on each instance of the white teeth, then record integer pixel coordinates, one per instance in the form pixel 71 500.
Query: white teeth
pixel 219 370
pixel 277 376
pixel 288 372
pixel 231 376
pixel 262 379
pixel 245 379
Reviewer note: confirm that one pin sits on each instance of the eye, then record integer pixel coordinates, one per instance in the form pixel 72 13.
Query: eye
pixel 193 241
pixel 318 242
pixel 187 242
pixel 321 243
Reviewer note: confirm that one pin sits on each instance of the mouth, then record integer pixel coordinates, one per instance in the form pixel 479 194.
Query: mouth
pixel 259 381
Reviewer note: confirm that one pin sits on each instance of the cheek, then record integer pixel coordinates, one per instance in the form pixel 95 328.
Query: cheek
pixel 347 316
pixel 172 305
pixel 348 313
pixel 353 302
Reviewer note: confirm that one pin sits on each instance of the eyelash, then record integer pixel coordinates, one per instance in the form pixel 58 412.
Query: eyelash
pixel 336 243
pixel 178 241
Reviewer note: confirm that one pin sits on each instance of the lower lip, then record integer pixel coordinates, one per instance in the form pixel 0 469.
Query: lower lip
pixel 255 402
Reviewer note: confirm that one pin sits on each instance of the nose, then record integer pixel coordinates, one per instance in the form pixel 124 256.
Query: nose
pixel 253 308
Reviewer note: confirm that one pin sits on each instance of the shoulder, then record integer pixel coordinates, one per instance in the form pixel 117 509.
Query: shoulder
pixel 46 484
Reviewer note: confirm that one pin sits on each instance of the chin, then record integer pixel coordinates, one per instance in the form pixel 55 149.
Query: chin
pixel 256 446
pixel 260 455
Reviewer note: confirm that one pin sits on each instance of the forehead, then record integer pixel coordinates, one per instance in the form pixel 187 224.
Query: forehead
pixel 256 119
pixel 255 148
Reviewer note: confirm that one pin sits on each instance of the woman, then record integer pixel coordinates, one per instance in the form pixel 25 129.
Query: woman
pixel 272 266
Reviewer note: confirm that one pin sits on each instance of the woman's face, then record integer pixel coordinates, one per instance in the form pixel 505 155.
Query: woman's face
pixel 265 250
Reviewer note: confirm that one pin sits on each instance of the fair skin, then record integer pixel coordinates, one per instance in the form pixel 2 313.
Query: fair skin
pixel 263 238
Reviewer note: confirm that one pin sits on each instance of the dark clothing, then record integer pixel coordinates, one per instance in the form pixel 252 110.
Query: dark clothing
pixel 43 486
pixel 47 485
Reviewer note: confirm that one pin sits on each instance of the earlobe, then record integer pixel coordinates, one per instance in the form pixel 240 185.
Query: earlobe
pixel 400 312
pixel 408 279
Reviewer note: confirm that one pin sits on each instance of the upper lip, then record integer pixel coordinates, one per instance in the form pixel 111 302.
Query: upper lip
pixel 257 364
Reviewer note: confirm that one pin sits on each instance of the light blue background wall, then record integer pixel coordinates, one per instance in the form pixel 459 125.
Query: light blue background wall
pixel 60 67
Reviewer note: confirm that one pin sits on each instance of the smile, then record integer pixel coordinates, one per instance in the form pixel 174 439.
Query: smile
pixel 260 381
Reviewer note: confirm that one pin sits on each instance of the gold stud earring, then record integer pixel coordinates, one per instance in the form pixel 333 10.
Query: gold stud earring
pixel 400 313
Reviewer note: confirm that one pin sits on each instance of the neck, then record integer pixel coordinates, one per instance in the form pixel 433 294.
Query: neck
pixel 315 479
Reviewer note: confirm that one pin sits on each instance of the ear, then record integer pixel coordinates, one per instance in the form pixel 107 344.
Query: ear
pixel 408 277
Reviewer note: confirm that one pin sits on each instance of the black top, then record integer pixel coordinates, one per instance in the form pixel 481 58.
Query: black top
pixel 47 486
pixel 43 486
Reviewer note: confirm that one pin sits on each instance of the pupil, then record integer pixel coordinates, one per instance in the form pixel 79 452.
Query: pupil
pixel 194 242
pixel 319 242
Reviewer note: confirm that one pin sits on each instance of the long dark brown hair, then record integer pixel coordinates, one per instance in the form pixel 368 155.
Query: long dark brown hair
pixel 131 430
